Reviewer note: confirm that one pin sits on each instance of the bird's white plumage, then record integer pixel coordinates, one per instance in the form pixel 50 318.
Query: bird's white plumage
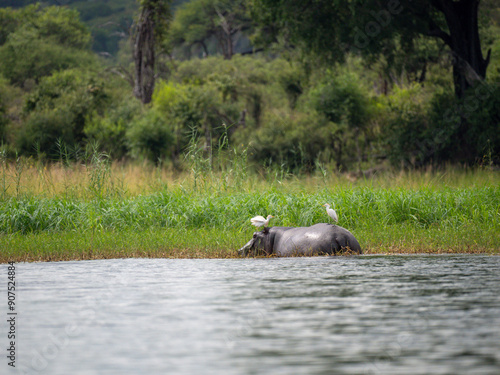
pixel 331 212
pixel 259 221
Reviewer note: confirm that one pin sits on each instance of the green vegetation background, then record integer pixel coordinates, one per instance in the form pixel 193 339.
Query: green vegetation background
pixel 283 105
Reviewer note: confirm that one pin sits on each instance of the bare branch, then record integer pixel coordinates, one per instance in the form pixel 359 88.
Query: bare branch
pixel 123 73
pixel 436 31
pixel 469 73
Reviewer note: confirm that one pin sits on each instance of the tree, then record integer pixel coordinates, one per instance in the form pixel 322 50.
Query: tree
pixel 461 36
pixel 150 31
pixel 331 28
pixel 343 101
pixel 36 42
pixel 59 108
pixel 199 21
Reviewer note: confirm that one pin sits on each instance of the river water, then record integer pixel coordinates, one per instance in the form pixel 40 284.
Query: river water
pixel 322 315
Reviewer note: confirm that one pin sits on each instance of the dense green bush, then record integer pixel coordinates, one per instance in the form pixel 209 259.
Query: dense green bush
pixel 59 108
pixel 442 129
pixel 341 99
pixel 481 109
pixel 45 132
pixel 288 141
pixel 150 136
pixel 193 107
pixel 63 26
pixel 253 82
pixel 40 41
pixel 407 128
pixel 25 56
pixel 109 130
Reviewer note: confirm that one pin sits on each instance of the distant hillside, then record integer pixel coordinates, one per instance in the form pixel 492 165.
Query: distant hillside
pixel 109 20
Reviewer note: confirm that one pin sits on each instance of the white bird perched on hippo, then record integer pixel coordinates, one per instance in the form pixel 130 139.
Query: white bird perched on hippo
pixel 260 221
pixel 331 212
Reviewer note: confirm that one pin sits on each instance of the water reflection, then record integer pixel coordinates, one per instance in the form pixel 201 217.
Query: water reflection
pixel 401 314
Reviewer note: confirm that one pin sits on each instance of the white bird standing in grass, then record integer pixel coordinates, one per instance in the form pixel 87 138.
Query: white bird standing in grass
pixel 331 212
pixel 259 221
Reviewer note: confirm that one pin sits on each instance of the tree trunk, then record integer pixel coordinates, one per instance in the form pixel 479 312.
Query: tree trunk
pixel 144 56
pixel 226 37
pixel 469 65
pixel 421 79
pixel 204 46
pixel 339 155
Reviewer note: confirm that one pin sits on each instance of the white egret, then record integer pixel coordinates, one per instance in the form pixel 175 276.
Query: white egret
pixel 331 212
pixel 259 221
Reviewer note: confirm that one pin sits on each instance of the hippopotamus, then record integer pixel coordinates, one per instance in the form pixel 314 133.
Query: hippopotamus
pixel 316 239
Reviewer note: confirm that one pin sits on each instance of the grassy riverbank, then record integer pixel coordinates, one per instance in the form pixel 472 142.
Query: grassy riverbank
pixel 63 213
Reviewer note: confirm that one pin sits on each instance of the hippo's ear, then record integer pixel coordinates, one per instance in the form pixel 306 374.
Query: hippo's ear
pixel 265 230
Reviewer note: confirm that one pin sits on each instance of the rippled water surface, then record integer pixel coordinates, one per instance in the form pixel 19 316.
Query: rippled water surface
pixel 323 315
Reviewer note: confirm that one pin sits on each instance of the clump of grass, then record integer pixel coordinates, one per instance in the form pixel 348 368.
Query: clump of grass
pixel 99 172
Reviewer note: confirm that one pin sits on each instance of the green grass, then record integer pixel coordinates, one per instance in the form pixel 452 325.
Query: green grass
pixel 104 244
pixel 224 242
pixel 182 221
pixel 447 208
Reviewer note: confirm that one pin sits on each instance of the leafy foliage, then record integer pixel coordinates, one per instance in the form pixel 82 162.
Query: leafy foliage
pixel 39 42
pixel 109 129
pixel 408 132
pixel 342 99
pixel 199 21
pixel 290 142
pixel 330 29
pixel 388 96
pixel 444 128
pixel 59 109
pixel 477 135
pixel 150 137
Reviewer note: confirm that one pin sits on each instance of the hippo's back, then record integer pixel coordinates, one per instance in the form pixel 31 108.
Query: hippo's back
pixel 316 239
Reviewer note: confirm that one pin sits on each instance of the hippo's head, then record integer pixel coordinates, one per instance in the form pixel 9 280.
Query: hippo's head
pixel 260 241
